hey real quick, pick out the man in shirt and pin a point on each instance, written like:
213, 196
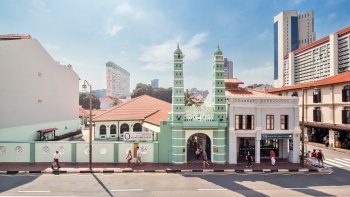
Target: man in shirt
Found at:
138, 154
56, 156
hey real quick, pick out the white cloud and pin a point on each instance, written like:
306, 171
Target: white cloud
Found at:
159, 57
263, 35
111, 28
126, 10
331, 16
51, 47
40, 7
261, 75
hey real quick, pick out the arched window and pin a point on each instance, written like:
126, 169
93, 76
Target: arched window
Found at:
137, 127
124, 128
113, 129
103, 130
346, 93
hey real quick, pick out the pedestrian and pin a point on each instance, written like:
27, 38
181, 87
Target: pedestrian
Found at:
205, 159
320, 158
313, 158
138, 157
56, 156
198, 151
249, 159
272, 155
129, 158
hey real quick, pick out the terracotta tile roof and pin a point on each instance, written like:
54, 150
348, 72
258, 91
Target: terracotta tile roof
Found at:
135, 109
83, 112
157, 116
108, 99
86, 112
319, 42
340, 78
234, 80
248, 92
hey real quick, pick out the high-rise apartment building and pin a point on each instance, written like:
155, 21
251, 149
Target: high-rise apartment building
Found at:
155, 83
118, 81
228, 69
291, 31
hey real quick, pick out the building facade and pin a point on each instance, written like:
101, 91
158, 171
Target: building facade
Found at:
118, 81
260, 122
37, 93
291, 31
155, 83
326, 108
228, 69
320, 59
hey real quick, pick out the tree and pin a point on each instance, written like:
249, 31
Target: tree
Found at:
159, 93
163, 94
84, 101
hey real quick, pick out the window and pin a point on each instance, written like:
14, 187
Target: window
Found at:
137, 127
103, 130
244, 122
317, 96
346, 115
346, 94
317, 114
113, 129
295, 94
269, 122
124, 128
284, 122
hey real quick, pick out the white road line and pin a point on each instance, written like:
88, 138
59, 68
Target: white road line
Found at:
342, 160
339, 162
212, 189
34, 191
328, 166
346, 159
127, 190
298, 188
333, 164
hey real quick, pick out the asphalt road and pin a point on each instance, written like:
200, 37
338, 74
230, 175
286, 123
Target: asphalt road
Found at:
192, 184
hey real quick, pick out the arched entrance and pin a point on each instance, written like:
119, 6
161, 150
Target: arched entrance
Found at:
203, 141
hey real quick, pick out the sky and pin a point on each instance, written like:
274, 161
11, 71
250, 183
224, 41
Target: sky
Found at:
141, 36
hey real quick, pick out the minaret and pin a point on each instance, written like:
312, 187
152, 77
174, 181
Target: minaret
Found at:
178, 96
218, 91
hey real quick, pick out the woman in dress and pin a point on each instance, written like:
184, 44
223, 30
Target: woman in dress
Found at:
129, 158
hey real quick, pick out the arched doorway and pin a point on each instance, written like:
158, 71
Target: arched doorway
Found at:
203, 141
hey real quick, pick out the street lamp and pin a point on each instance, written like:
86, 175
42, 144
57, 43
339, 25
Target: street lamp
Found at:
90, 124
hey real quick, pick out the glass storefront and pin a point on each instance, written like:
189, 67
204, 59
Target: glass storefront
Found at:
267, 145
248, 144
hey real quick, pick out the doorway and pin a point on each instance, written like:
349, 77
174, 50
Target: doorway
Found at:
196, 140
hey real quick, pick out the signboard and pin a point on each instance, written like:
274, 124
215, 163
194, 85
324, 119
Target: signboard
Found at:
141, 136
276, 136
215, 150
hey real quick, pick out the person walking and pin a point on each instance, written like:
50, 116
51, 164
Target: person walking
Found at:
272, 155
138, 155
205, 159
56, 156
320, 158
249, 159
129, 158
198, 151
313, 158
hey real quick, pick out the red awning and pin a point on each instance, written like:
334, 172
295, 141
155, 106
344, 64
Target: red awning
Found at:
48, 130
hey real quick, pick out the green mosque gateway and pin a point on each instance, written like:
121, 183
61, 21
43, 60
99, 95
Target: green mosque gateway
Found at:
188, 127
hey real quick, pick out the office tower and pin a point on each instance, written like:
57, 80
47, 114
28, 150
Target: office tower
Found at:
228, 69
154, 83
291, 31
118, 81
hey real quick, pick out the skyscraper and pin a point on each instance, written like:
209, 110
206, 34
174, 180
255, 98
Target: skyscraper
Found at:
291, 31
154, 83
228, 69
118, 81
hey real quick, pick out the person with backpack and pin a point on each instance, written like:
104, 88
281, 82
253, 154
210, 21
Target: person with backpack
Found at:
313, 158
320, 158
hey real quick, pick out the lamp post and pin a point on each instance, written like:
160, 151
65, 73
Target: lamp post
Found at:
90, 124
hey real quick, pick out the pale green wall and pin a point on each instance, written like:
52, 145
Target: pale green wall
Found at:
10, 154
164, 140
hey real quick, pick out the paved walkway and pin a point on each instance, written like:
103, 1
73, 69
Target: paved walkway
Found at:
282, 165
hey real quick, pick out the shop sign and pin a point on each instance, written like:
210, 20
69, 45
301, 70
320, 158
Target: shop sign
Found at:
276, 136
141, 136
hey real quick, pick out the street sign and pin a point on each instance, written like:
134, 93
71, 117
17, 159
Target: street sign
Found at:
276, 136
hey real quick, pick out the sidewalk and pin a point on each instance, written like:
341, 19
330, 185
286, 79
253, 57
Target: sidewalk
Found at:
282, 165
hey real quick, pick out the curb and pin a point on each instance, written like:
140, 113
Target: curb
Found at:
167, 171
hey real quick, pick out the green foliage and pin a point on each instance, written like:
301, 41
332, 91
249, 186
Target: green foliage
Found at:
159, 93
84, 101
99, 93
67, 135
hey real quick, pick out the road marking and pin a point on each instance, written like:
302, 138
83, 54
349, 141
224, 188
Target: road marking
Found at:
212, 189
347, 159
34, 191
342, 160
127, 190
339, 162
329, 161
298, 188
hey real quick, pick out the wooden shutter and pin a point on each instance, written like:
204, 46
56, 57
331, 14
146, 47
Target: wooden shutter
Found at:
268, 122
237, 122
286, 122
318, 115
252, 127
343, 116
315, 115
343, 93
244, 122
272, 122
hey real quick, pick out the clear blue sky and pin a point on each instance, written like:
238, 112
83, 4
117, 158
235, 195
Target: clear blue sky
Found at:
141, 35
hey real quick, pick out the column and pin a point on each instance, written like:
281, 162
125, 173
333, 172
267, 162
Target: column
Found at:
257, 146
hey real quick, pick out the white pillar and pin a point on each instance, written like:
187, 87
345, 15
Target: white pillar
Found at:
257, 146
233, 147
285, 148
296, 147
331, 138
